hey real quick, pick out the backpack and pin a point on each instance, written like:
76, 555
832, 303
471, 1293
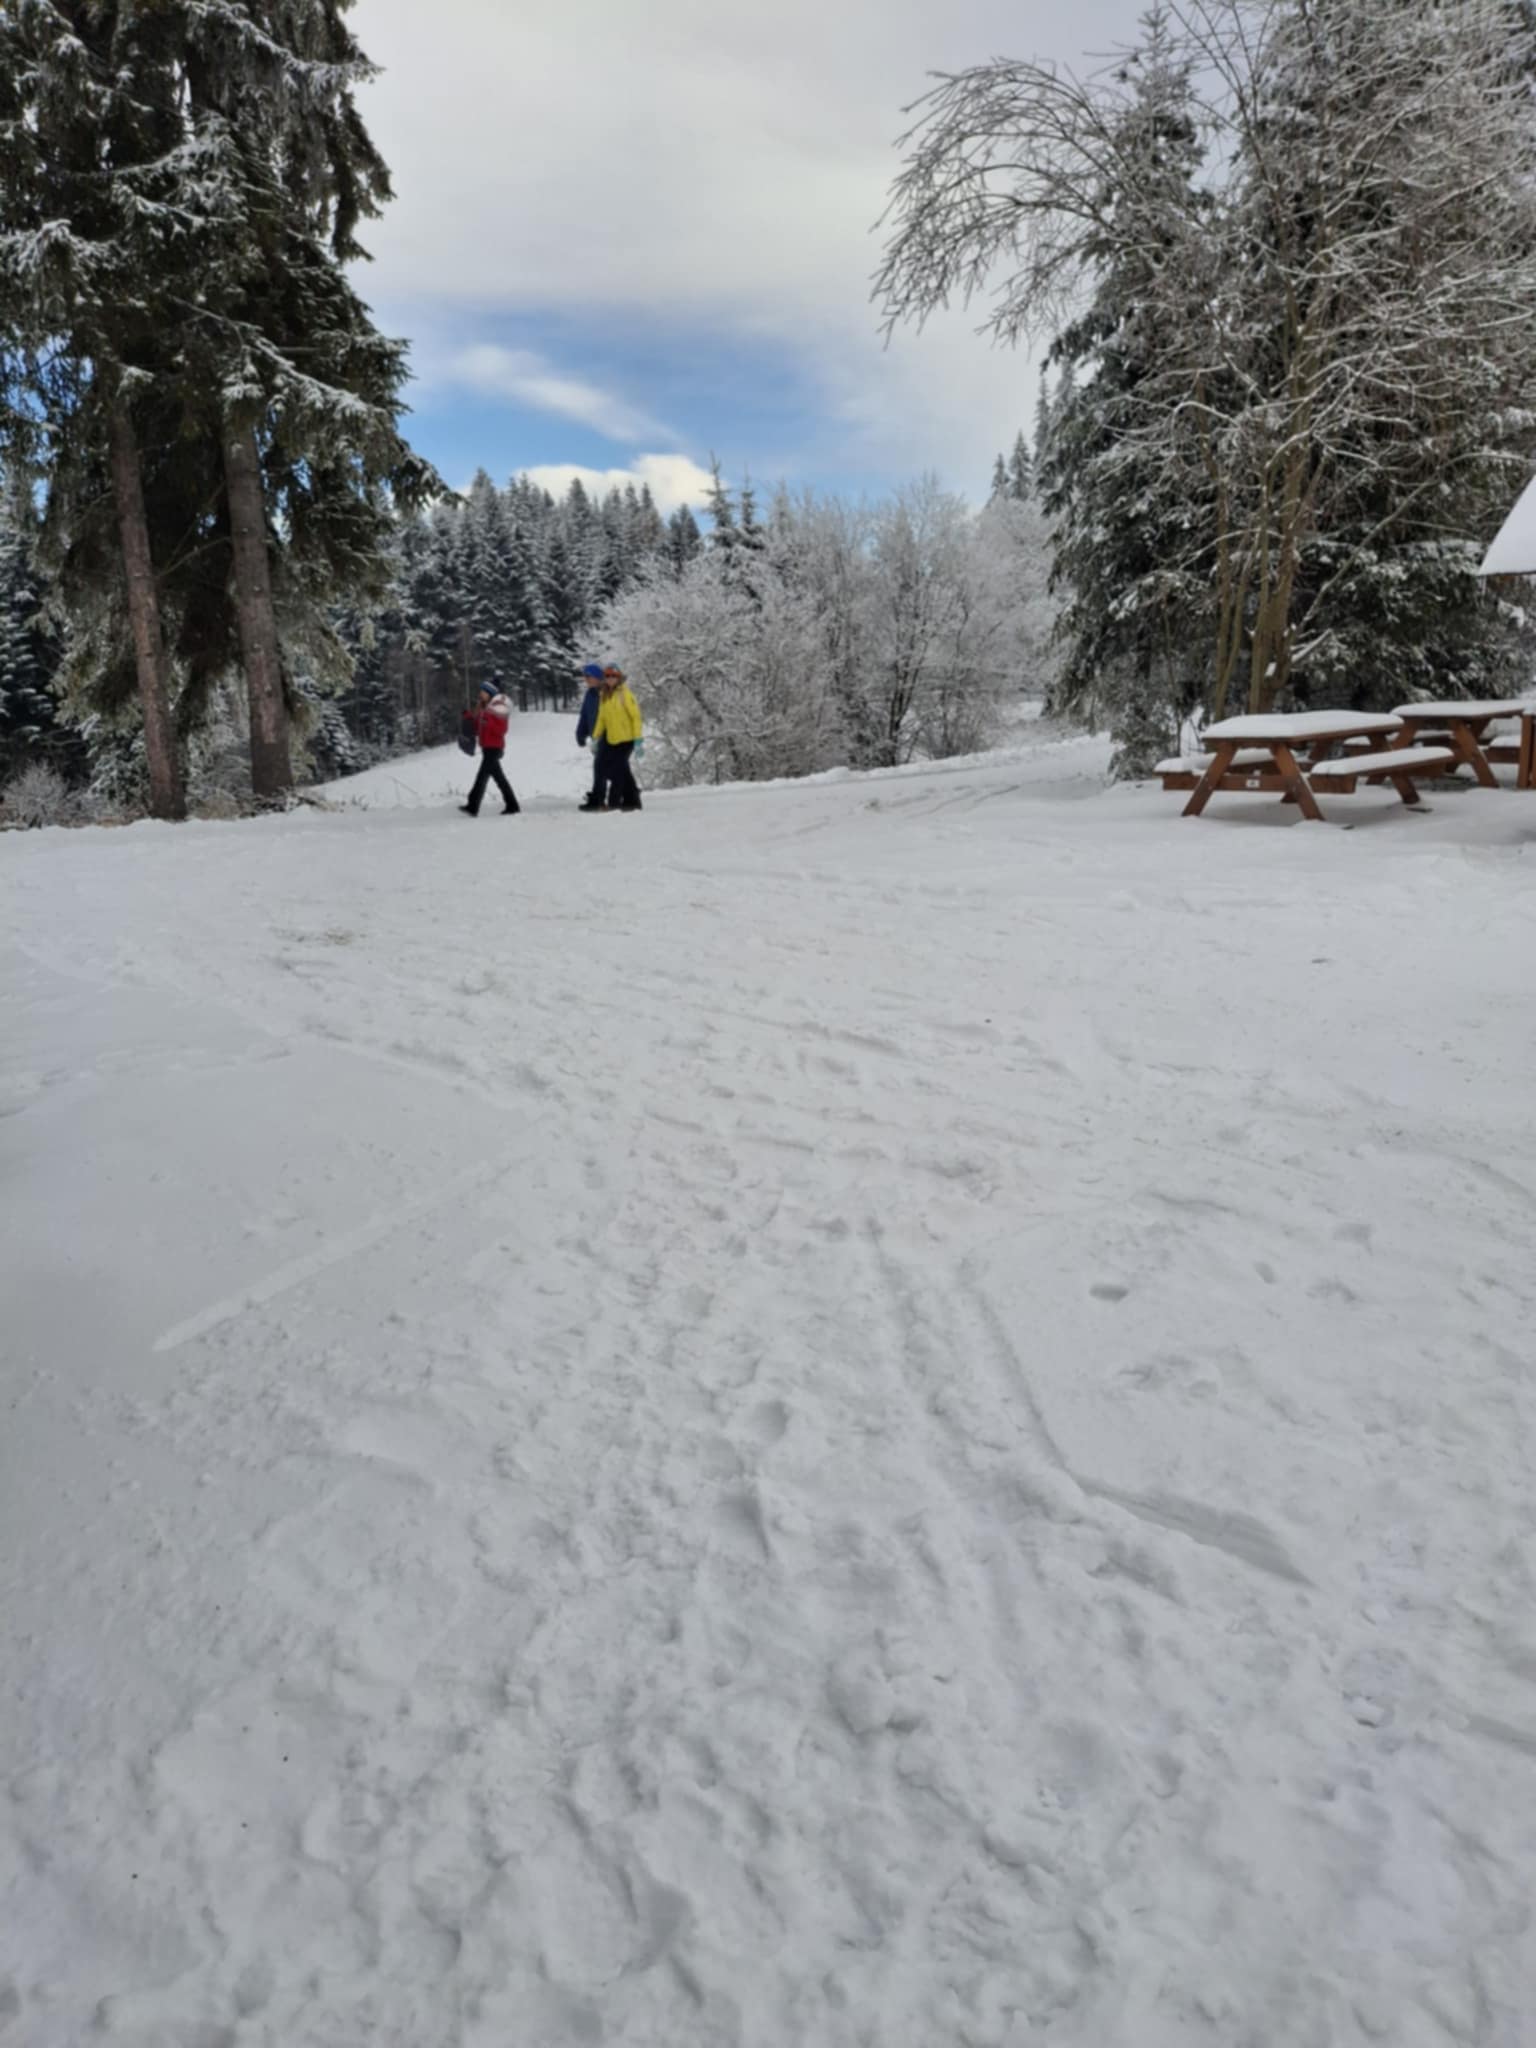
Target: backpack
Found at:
469, 732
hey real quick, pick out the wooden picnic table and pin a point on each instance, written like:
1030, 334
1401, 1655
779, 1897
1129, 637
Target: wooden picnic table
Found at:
1463, 725
1296, 743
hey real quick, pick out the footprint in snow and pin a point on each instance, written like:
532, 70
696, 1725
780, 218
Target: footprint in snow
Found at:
767, 1423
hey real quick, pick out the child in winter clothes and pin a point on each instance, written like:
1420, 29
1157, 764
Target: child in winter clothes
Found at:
619, 726
491, 731
584, 727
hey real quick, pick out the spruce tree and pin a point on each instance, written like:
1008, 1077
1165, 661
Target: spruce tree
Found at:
753, 536
309, 391
1021, 473
684, 541
724, 533
28, 648
106, 223
1131, 620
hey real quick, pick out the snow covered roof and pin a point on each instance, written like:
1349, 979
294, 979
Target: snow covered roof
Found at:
1513, 550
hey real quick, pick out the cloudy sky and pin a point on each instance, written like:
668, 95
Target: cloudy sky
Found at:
631, 232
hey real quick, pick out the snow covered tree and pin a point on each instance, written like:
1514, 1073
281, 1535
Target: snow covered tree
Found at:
1021, 471
106, 218
933, 661
749, 526
310, 392
1301, 388
29, 654
1014, 477
683, 541
182, 183
1382, 207
724, 533
736, 683
1121, 471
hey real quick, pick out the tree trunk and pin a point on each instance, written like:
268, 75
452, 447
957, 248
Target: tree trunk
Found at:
271, 767
167, 796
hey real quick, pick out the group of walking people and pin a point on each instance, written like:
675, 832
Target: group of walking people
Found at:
610, 719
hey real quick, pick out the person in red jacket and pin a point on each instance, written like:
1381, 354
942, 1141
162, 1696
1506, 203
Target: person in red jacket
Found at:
491, 731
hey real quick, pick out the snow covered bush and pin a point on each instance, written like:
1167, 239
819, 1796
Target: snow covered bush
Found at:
119, 784
38, 795
839, 633
219, 758
732, 673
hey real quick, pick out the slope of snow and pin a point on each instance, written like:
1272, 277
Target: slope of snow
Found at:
894, 1412
542, 761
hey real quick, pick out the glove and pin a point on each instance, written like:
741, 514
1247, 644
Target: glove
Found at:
639, 750
581, 743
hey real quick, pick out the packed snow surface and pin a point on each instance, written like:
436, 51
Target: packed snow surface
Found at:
892, 1412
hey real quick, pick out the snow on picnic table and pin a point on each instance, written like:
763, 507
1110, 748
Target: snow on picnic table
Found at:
893, 1412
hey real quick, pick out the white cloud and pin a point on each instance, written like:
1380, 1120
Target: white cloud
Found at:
683, 161
524, 377
674, 479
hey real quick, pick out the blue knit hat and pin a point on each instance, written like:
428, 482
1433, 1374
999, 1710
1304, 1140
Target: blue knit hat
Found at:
593, 672
487, 689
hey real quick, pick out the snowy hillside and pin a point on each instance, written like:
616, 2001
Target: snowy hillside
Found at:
896, 1412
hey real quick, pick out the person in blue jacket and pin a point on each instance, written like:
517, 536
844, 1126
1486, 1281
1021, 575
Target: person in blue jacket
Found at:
597, 796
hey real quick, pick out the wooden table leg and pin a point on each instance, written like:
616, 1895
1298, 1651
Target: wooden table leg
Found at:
1210, 781
1296, 784
1525, 774
1404, 786
1472, 754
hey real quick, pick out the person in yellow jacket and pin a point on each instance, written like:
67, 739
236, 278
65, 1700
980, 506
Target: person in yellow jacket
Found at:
618, 728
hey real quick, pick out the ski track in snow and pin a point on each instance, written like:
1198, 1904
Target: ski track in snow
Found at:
889, 1413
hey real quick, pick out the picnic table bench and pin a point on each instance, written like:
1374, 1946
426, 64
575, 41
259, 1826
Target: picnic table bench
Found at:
1462, 725
1292, 753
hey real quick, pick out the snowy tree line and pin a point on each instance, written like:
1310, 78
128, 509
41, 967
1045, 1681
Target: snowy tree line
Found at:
506, 583
827, 632
836, 633
1283, 256
819, 633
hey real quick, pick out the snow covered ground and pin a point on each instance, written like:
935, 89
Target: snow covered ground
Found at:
896, 1412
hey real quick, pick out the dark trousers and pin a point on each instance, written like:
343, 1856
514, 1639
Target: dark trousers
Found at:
599, 794
622, 788
490, 771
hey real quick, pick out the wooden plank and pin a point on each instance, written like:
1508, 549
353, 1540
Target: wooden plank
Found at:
1211, 780
1297, 784
1461, 738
